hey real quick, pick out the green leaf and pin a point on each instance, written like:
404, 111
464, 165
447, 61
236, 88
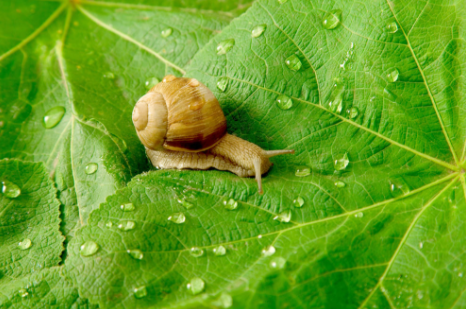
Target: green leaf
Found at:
383, 213
92, 60
30, 239
44, 289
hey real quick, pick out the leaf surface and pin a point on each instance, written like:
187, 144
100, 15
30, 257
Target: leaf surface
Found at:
381, 230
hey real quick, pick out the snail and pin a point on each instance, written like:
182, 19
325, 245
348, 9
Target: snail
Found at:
181, 125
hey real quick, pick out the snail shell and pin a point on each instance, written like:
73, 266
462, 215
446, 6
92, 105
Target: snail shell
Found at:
182, 126
179, 114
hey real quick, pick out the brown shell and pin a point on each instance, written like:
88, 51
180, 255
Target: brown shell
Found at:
195, 120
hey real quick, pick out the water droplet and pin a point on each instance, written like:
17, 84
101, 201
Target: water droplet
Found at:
421, 244
278, 263
230, 204
389, 95
126, 225
393, 76
151, 82
25, 244
167, 32
109, 224
109, 75
340, 184
140, 292
342, 163
196, 286
136, 254
127, 207
259, 236
336, 97
225, 46
10, 190
284, 216
353, 112
258, 30
23, 292
222, 83
284, 102
332, 19
302, 172
359, 215
391, 27
177, 218
185, 203
89, 248
268, 251
53, 116
223, 301
460, 275
196, 252
293, 63
298, 202
220, 250
282, 1
91, 168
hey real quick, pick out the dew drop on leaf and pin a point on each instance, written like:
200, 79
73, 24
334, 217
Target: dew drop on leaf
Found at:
222, 83
167, 32
302, 172
126, 225
393, 75
223, 301
353, 112
89, 248
298, 202
359, 215
389, 95
230, 204
335, 103
25, 244
127, 207
224, 46
109, 224
196, 252
151, 82
91, 168
136, 254
340, 184
196, 286
293, 63
278, 263
332, 19
53, 116
140, 292
268, 251
284, 216
109, 75
177, 218
284, 102
421, 245
391, 27
10, 189
342, 163
220, 250
258, 30
23, 292
185, 203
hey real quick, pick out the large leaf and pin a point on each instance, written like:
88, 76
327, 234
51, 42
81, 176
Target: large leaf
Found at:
383, 230
93, 60
30, 240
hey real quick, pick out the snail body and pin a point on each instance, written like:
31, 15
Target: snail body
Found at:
182, 126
